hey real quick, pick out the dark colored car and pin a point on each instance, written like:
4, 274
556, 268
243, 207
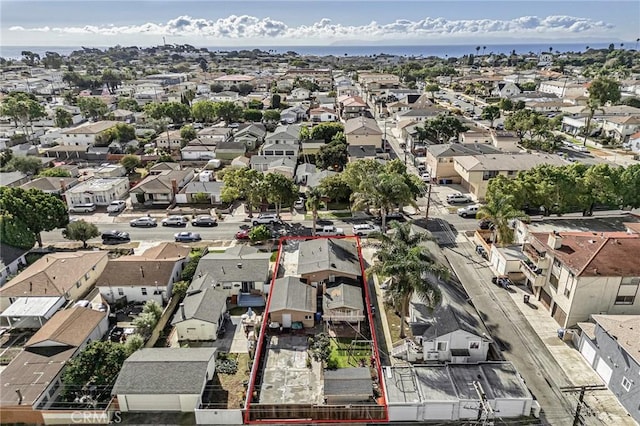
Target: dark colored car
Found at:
503, 281
204, 221
187, 237
115, 237
485, 224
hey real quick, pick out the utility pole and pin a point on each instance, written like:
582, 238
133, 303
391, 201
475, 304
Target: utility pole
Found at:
582, 389
426, 217
485, 413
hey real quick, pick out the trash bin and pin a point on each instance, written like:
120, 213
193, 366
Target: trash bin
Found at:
526, 298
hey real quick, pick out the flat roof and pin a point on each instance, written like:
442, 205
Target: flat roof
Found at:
31, 306
102, 184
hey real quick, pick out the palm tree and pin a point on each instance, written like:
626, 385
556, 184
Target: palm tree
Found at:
483, 49
411, 268
314, 202
500, 212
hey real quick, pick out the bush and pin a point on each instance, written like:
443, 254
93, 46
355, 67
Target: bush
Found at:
227, 366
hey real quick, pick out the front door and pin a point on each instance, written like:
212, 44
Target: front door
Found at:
286, 320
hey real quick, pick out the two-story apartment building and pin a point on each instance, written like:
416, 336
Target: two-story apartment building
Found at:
98, 191
229, 81
363, 131
577, 274
475, 171
86, 134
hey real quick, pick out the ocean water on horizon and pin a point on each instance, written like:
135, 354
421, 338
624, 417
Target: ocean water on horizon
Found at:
15, 52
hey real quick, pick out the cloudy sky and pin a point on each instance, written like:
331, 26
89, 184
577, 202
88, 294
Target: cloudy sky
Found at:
312, 22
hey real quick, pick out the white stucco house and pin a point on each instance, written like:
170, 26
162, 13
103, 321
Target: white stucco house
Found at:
86, 134
98, 191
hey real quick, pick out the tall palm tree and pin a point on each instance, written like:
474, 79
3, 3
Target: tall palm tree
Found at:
500, 212
411, 267
314, 202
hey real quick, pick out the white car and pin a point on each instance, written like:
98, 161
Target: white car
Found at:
458, 197
299, 204
469, 211
116, 206
364, 229
580, 148
265, 219
175, 221
426, 177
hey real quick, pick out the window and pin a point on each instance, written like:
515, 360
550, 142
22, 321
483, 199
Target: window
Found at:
226, 286
144, 291
120, 292
308, 317
488, 174
553, 280
86, 276
474, 344
627, 291
78, 284
441, 346
626, 384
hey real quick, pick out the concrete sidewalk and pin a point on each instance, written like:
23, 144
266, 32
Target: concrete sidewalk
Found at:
604, 404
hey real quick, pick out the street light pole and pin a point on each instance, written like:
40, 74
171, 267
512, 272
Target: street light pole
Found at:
426, 216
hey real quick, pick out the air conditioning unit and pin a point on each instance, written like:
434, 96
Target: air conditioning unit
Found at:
431, 356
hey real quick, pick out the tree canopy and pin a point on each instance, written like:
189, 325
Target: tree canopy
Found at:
80, 231
92, 107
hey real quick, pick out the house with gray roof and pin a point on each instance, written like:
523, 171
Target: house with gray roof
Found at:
160, 188
343, 303
326, 259
450, 332
252, 135
348, 385
201, 314
11, 259
13, 179
230, 149
213, 189
242, 272
439, 159
164, 379
51, 185
284, 134
293, 300
274, 164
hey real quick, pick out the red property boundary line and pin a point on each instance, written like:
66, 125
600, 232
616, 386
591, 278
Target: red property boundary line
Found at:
256, 362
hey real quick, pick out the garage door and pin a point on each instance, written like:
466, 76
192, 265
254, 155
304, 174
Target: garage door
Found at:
286, 320
603, 369
153, 402
588, 352
545, 298
558, 314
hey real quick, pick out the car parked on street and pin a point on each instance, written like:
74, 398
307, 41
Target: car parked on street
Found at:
299, 204
116, 206
266, 219
426, 177
115, 237
83, 208
364, 229
175, 221
205, 221
469, 211
502, 280
458, 197
243, 234
143, 222
187, 237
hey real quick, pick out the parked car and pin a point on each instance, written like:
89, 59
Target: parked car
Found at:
502, 280
458, 197
115, 237
82, 208
143, 222
330, 231
175, 221
266, 219
205, 221
426, 177
116, 206
482, 252
580, 148
364, 229
485, 224
187, 237
243, 234
299, 204
469, 211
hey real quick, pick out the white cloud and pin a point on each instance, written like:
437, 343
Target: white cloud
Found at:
250, 27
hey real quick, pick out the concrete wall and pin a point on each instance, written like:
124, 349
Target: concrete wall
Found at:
219, 417
133, 293
358, 140
196, 330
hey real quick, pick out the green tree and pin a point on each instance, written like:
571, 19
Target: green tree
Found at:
130, 162
271, 115
188, 133
255, 104
98, 364
505, 104
145, 323
152, 307
180, 289
528, 86
22, 108
177, 112
155, 110
112, 79
63, 118
501, 213
129, 104
133, 343
280, 190
192, 265
313, 203
333, 155
412, 269
491, 113
243, 184
124, 132
216, 88
629, 184
320, 347
92, 107
431, 88
254, 115
80, 231
228, 112
326, 131
37, 210
259, 233
25, 164
204, 111
55, 172
15, 233
244, 89
275, 101
527, 123
335, 188
444, 127
601, 91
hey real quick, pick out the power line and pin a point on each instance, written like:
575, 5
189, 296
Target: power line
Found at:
582, 389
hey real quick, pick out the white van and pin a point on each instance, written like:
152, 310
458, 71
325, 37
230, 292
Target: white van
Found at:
82, 208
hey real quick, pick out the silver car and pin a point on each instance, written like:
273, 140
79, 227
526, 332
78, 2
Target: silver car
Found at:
143, 222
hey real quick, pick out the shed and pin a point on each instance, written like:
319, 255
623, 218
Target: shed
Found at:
348, 385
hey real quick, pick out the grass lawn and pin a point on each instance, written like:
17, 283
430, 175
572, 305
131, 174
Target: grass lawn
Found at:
394, 324
340, 352
326, 215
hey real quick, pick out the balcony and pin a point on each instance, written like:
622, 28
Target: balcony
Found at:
533, 273
538, 259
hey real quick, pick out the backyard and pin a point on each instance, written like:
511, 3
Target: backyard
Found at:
393, 319
228, 390
346, 352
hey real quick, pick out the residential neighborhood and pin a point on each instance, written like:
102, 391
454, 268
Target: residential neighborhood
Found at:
193, 236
